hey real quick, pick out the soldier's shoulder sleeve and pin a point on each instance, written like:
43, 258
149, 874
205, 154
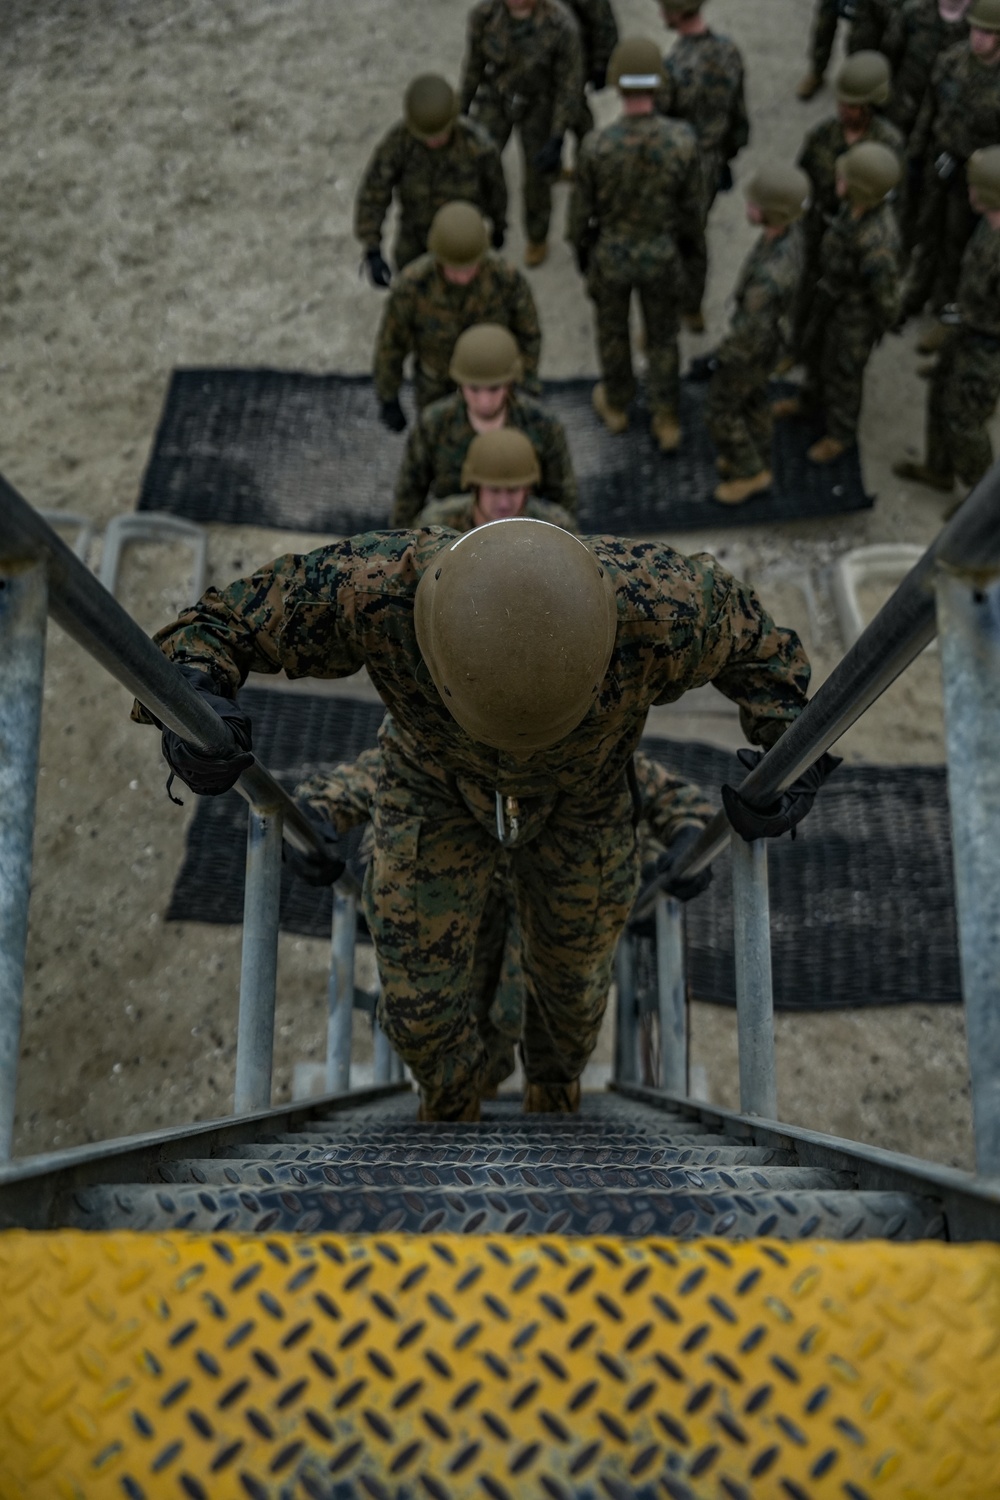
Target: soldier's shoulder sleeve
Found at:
345, 794
454, 512
375, 189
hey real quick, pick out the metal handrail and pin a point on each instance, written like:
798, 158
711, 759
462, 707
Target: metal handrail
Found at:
895, 637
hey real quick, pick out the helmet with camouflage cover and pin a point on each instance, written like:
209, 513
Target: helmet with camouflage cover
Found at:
984, 15
781, 194
505, 459
485, 354
636, 65
864, 79
516, 622
430, 106
457, 235
984, 175
870, 172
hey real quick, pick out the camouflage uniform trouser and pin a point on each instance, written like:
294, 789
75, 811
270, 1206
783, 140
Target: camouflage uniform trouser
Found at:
836, 356
426, 891
411, 241
824, 30
963, 395
944, 225
534, 128
658, 299
738, 415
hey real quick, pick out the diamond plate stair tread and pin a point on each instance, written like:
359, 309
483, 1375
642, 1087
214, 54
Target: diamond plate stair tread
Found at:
487, 1176
461, 1135
793, 1215
180, 1367
573, 1156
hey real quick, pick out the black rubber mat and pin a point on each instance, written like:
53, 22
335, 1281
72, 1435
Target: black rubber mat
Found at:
307, 453
862, 902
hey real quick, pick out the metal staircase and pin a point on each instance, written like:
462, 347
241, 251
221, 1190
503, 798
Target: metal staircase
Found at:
654, 1298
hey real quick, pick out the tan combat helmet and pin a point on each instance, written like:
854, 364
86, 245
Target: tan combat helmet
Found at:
681, 7
983, 173
505, 459
984, 15
430, 106
485, 354
516, 621
636, 66
457, 235
781, 194
870, 171
864, 79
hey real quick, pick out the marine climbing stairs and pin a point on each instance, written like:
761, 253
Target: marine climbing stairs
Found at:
653, 1298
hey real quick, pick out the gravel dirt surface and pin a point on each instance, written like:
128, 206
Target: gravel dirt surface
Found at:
178, 181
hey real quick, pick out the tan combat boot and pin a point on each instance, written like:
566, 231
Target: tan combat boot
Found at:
614, 420
552, 1098
667, 431
469, 1115
535, 254
724, 467
934, 339
826, 450
735, 491
921, 474
809, 85
694, 322
787, 406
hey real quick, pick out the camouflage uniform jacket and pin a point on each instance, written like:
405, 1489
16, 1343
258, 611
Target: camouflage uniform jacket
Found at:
703, 84
522, 60
438, 443
765, 292
961, 108
979, 284
638, 183
871, 25
818, 159
682, 622
916, 38
860, 265
467, 167
424, 315
457, 513
598, 33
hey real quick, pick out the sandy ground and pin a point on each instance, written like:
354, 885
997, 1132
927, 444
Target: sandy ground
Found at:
177, 184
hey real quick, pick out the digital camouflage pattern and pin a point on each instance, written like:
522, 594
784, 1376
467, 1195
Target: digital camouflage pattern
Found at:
682, 622
960, 113
424, 315
598, 38
965, 385
818, 159
637, 199
857, 300
916, 38
424, 180
703, 84
872, 25
437, 445
457, 512
738, 411
529, 75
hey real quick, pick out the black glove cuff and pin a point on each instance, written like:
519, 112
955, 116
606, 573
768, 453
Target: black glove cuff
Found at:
314, 868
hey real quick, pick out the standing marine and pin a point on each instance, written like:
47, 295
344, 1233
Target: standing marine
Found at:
965, 383
523, 70
598, 39
457, 283
636, 225
920, 32
485, 366
429, 158
738, 410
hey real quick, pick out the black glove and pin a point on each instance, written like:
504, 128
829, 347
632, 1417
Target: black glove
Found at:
684, 886
726, 179
498, 236
703, 367
549, 159
598, 79
206, 774
391, 415
791, 807
315, 869
378, 269
582, 252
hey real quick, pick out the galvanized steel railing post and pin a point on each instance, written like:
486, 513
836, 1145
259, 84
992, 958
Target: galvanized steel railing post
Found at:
969, 625
259, 972
672, 994
23, 614
340, 994
754, 998
626, 1021
381, 1046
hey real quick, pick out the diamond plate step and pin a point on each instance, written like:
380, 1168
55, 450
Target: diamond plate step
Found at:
795, 1215
448, 1138
573, 1156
